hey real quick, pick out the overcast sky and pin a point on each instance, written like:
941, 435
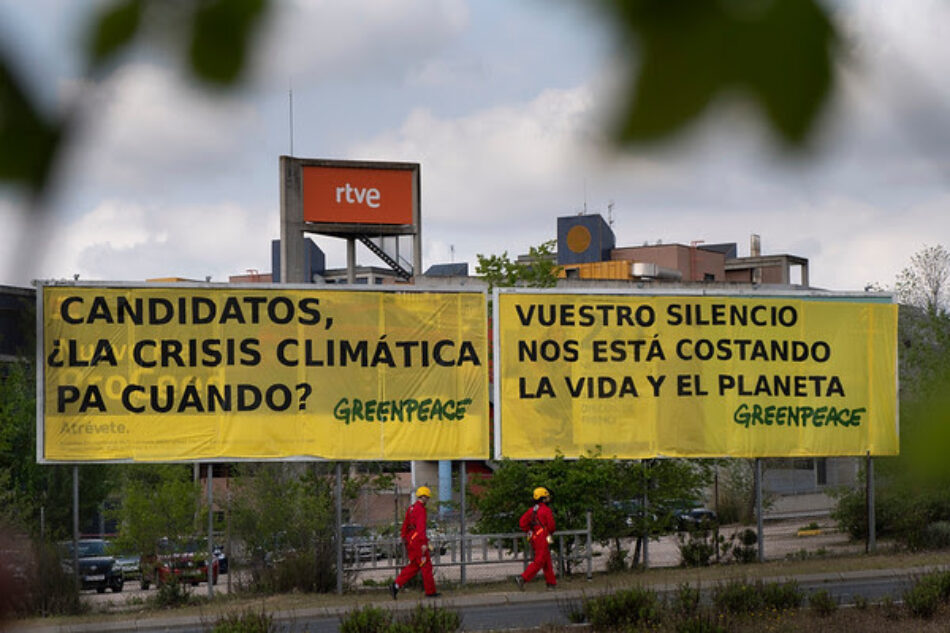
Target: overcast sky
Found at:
501, 103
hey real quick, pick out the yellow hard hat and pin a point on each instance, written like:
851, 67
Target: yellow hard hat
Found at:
540, 493
423, 491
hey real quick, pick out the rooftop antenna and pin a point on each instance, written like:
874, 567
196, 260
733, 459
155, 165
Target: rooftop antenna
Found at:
452, 251
610, 214
290, 96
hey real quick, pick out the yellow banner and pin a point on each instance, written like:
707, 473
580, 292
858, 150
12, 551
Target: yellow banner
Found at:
197, 373
639, 376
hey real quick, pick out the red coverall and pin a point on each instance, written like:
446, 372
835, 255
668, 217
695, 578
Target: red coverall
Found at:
417, 546
538, 522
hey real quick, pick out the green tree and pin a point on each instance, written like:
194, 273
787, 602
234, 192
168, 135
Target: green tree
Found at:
610, 489
32, 486
539, 271
912, 489
924, 284
285, 516
156, 501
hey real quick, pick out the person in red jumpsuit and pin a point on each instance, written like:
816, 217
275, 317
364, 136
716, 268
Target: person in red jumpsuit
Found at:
417, 546
538, 522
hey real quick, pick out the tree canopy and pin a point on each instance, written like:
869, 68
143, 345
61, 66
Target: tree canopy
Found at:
539, 271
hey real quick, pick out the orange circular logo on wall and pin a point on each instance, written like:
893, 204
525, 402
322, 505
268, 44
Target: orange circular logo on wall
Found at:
578, 239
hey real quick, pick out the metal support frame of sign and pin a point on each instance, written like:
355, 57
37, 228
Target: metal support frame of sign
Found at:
348, 199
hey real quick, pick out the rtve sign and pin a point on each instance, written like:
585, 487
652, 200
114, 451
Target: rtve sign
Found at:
350, 193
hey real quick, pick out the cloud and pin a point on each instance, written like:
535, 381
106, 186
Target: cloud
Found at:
122, 240
13, 230
310, 40
476, 167
147, 127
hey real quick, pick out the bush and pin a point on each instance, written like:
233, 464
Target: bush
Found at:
822, 603
617, 561
686, 601
247, 622
736, 503
627, 608
935, 535
572, 610
429, 619
310, 570
942, 580
172, 593
916, 517
43, 587
696, 548
368, 619
284, 515
746, 550
924, 598
422, 619
738, 597
782, 596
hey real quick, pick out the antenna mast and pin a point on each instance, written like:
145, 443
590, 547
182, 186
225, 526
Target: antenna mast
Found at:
290, 96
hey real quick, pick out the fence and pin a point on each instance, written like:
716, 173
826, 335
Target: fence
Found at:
574, 548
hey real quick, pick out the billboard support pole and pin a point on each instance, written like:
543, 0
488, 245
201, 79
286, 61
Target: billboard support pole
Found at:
646, 510
462, 541
351, 260
339, 528
872, 528
210, 533
760, 532
76, 525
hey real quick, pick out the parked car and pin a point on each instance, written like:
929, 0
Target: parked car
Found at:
97, 567
696, 518
358, 543
218, 551
186, 562
129, 564
633, 511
